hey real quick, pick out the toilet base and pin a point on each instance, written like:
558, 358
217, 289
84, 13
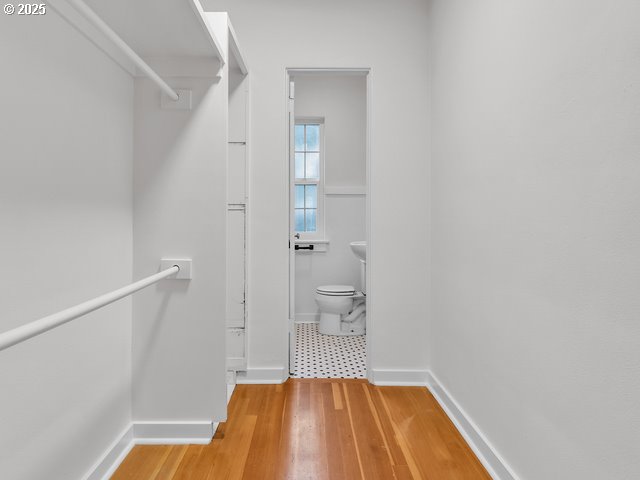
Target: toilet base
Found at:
332, 324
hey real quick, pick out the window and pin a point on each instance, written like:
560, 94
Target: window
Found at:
308, 178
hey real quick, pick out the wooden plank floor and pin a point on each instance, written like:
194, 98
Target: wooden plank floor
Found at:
317, 429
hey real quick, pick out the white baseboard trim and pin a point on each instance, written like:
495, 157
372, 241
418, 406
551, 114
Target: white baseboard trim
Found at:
488, 456
175, 433
113, 457
262, 376
385, 377
236, 363
307, 318
230, 389
150, 433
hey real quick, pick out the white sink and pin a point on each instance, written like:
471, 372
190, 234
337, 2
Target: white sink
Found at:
359, 249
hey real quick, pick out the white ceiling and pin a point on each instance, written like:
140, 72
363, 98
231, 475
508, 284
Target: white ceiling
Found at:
156, 28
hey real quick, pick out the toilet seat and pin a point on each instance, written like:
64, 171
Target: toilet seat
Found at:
342, 310
336, 290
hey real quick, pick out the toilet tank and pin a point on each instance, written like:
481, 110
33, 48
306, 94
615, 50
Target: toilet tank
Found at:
363, 275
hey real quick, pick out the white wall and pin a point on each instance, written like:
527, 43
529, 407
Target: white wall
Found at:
390, 39
66, 125
179, 212
342, 102
536, 232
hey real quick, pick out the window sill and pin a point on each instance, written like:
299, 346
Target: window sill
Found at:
318, 245
321, 241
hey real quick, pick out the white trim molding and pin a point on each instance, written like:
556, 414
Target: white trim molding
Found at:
236, 363
175, 433
391, 377
113, 456
486, 453
150, 433
301, 71
260, 376
345, 190
230, 389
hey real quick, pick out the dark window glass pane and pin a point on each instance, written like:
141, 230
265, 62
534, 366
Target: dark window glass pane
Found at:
313, 138
299, 220
310, 222
310, 196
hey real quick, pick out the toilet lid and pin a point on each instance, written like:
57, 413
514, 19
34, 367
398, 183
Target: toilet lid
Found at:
336, 290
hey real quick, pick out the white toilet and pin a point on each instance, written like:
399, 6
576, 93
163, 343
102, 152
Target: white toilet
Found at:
342, 309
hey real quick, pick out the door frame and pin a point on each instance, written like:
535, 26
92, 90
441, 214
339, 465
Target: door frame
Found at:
368, 73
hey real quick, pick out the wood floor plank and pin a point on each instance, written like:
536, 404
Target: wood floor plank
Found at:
262, 459
337, 396
231, 457
168, 469
402, 472
192, 466
374, 458
348, 449
396, 452
142, 462
400, 440
428, 437
332, 445
321, 457
154, 473
308, 457
352, 425
376, 418
317, 429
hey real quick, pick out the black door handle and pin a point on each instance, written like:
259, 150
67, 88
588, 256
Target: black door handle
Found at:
298, 247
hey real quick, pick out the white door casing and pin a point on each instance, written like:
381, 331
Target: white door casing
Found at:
292, 252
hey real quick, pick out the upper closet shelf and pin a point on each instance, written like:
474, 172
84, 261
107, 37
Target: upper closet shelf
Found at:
167, 30
202, 17
223, 30
234, 49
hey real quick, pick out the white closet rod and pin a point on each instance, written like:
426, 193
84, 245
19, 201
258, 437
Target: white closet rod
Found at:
97, 22
20, 334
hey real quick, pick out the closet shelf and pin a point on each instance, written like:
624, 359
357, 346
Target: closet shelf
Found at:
153, 40
223, 28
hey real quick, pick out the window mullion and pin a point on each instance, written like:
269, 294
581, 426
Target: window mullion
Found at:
305, 156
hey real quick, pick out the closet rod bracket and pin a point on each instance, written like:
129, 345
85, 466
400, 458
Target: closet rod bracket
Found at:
184, 101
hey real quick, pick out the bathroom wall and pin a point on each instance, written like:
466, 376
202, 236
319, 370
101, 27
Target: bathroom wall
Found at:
342, 102
390, 38
66, 130
536, 230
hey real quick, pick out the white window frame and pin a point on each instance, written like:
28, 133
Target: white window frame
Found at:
319, 233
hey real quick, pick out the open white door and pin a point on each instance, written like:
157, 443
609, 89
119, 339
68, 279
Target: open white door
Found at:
292, 251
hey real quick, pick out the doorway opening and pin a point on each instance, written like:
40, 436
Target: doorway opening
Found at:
328, 134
